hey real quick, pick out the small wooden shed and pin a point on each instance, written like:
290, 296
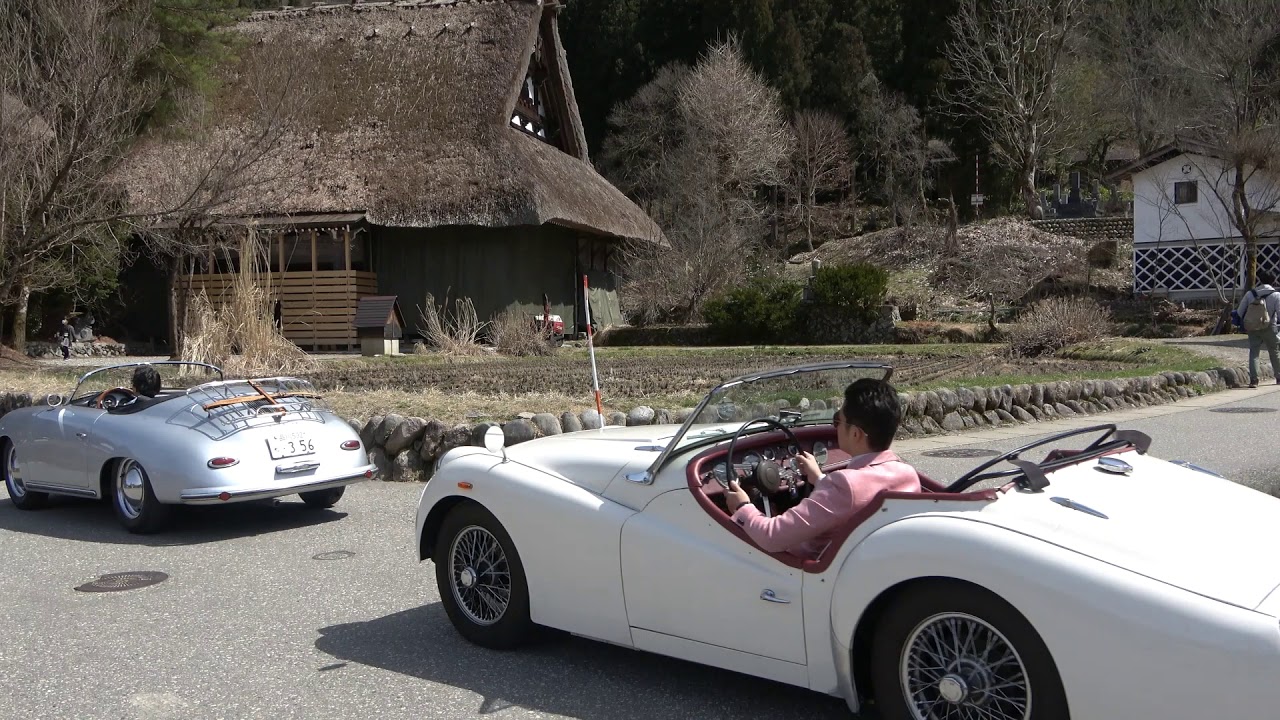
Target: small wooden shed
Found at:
379, 325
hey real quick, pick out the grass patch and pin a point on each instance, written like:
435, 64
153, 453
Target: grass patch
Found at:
1140, 353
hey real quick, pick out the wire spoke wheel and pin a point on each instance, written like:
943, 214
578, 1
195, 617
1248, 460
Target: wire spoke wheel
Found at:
955, 666
479, 575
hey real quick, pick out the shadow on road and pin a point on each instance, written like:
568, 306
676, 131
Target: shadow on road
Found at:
95, 521
567, 676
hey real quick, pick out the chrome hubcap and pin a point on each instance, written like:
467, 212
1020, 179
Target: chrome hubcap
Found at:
481, 578
130, 488
957, 666
13, 475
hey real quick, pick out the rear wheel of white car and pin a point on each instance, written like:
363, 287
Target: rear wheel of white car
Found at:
22, 498
481, 581
951, 650
322, 499
133, 499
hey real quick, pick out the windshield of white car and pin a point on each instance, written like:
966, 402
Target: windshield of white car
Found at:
799, 398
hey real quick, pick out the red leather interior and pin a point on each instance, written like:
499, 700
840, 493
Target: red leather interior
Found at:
933, 491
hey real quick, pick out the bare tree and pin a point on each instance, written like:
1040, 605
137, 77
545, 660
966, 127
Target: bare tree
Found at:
694, 147
1006, 63
820, 163
897, 147
1227, 73
1134, 83
70, 102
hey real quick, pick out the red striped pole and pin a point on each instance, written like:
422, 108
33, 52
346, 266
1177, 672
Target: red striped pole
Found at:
595, 377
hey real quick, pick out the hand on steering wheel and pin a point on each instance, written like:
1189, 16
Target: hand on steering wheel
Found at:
102, 401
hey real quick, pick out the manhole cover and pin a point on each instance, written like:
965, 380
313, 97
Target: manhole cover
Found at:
116, 582
960, 453
335, 555
1243, 410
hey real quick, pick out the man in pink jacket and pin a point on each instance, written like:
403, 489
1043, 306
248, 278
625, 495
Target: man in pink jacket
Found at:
865, 427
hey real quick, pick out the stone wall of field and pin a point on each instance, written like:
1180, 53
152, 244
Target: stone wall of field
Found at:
405, 449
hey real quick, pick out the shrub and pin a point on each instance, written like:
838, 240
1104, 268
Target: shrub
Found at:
1053, 324
856, 291
513, 333
456, 333
764, 310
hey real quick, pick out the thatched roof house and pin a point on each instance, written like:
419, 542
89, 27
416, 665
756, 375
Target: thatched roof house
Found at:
438, 142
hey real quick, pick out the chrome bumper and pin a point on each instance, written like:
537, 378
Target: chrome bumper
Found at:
216, 496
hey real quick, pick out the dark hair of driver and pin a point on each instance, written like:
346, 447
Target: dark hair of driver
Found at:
872, 405
146, 381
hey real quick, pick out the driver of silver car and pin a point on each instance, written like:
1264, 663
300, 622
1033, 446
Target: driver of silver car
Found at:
865, 427
146, 381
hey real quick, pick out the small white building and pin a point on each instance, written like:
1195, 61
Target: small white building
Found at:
1185, 245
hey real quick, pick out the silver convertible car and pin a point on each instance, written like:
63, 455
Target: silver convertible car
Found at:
158, 443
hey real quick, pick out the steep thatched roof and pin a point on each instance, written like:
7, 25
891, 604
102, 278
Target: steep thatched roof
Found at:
407, 118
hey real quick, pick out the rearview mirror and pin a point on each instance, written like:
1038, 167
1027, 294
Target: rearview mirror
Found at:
53, 400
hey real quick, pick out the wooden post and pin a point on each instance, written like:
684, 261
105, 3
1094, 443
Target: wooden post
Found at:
350, 283
314, 339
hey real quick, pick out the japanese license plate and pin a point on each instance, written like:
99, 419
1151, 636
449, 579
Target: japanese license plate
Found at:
286, 445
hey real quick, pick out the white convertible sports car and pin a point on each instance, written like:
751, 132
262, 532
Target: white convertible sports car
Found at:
216, 442
1098, 582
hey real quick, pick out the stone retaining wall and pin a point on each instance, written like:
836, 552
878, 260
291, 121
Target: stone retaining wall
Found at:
78, 349
405, 448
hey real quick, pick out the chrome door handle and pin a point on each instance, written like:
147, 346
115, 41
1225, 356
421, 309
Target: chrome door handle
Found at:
771, 596
82, 435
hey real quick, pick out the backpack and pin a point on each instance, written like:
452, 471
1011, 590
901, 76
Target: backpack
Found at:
1256, 317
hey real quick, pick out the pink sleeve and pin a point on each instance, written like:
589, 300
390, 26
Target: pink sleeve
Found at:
824, 509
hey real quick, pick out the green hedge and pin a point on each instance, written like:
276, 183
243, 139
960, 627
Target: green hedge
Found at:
770, 310
763, 311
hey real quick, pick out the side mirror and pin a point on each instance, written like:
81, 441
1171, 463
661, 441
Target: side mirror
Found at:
495, 441
53, 400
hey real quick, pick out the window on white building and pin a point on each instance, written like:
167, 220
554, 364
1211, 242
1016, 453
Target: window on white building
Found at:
1185, 193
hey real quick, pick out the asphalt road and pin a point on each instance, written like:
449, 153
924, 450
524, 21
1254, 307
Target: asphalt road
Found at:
251, 625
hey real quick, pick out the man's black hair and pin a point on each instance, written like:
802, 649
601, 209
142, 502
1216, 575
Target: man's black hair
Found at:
1265, 278
146, 381
873, 406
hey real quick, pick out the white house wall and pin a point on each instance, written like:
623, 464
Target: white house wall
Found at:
1156, 219
1193, 251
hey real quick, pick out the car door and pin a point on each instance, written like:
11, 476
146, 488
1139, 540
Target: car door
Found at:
57, 448
686, 576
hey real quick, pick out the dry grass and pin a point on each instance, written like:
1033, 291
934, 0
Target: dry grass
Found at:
514, 334
470, 407
38, 383
1056, 323
241, 336
455, 333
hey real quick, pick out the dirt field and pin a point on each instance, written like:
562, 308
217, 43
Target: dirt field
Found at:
493, 387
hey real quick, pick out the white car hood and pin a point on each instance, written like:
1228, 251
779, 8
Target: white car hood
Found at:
1191, 530
593, 458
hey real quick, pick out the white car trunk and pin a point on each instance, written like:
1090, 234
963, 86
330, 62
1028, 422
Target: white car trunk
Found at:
1194, 531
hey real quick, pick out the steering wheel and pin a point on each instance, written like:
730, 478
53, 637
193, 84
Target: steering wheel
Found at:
115, 398
1034, 473
767, 474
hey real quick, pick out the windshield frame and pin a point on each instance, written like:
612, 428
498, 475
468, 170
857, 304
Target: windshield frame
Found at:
669, 452
106, 368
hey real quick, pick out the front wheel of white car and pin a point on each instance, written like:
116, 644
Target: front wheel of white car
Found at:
22, 498
481, 581
952, 650
134, 501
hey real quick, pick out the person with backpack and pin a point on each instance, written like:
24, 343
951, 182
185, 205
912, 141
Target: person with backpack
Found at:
1260, 317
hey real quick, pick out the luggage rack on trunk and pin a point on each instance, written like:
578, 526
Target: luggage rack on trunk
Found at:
233, 405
